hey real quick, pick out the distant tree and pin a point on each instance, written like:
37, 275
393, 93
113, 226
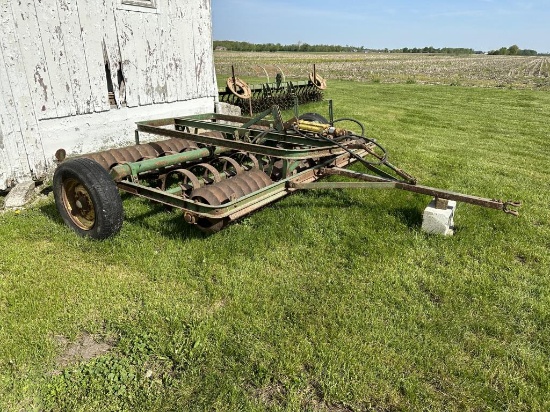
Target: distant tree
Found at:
513, 50
527, 52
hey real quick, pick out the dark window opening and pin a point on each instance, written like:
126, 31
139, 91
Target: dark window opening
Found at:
110, 88
121, 85
121, 82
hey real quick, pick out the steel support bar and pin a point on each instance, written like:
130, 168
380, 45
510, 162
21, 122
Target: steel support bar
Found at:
430, 191
261, 197
245, 133
216, 117
307, 153
342, 185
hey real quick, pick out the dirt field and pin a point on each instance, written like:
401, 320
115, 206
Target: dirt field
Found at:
516, 72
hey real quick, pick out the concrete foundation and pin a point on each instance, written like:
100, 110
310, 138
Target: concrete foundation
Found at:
439, 221
229, 109
19, 195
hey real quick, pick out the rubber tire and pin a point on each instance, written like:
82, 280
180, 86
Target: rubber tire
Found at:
103, 193
313, 117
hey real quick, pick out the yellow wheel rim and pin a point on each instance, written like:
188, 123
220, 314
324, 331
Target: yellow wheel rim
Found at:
78, 203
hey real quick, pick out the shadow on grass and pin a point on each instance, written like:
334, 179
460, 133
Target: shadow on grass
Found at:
172, 227
410, 216
163, 219
335, 198
50, 211
167, 222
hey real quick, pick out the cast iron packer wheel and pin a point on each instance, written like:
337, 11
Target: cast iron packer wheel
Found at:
211, 226
313, 117
87, 198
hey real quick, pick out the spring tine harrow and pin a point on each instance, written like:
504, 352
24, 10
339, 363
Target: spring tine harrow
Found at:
260, 97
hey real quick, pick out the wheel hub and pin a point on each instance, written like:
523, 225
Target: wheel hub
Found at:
78, 202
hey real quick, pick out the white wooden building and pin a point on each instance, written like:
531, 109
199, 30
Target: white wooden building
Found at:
78, 74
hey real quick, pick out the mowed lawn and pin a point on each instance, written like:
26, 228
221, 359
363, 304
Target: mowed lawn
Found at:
324, 301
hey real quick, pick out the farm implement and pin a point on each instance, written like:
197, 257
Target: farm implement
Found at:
255, 98
218, 168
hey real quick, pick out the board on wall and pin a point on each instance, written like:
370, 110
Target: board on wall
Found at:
161, 55
61, 58
18, 111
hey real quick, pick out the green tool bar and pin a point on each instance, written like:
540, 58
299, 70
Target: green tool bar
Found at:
313, 152
216, 117
133, 169
244, 132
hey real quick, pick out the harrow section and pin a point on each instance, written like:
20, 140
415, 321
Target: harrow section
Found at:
218, 168
256, 98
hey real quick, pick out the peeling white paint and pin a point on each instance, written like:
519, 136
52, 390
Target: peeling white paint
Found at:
93, 132
26, 135
53, 83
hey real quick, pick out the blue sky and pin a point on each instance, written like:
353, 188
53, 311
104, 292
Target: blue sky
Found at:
478, 24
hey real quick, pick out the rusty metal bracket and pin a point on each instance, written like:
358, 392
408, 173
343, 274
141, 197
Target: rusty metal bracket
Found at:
511, 203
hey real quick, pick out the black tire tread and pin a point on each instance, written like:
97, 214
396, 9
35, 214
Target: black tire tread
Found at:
103, 192
313, 117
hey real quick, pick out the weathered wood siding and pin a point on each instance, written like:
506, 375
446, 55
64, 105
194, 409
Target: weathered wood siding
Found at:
52, 67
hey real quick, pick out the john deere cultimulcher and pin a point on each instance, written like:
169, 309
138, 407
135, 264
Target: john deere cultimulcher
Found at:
218, 168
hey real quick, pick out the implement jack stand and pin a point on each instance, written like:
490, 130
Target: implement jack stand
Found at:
439, 220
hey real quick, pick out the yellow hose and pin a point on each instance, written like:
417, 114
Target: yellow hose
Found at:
320, 128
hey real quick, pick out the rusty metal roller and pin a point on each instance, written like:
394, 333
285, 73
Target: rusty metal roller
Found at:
233, 188
113, 157
221, 195
127, 154
174, 145
105, 159
243, 185
110, 158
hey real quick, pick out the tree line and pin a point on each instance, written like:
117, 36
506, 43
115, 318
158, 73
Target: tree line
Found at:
430, 49
274, 47
327, 48
513, 51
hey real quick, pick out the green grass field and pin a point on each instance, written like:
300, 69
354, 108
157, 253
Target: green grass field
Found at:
325, 301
